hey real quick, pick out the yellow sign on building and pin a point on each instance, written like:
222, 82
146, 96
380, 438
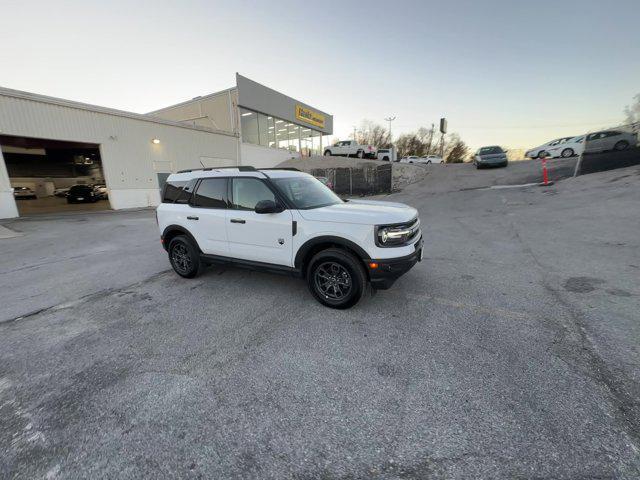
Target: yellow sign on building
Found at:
309, 116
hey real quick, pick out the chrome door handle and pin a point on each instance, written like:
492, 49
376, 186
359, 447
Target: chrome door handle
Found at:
193, 218
237, 220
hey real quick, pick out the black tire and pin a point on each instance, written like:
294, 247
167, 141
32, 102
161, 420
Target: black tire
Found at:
184, 257
327, 153
542, 154
428, 162
336, 278
360, 154
385, 159
621, 145
567, 152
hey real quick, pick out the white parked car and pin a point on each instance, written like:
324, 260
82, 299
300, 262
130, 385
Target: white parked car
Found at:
287, 221
423, 160
387, 154
20, 193
567, 148
432, 159
610, 140
350, 148
410, 159
543, 150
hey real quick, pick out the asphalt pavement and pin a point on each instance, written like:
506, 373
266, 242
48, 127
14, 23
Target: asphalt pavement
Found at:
511, 351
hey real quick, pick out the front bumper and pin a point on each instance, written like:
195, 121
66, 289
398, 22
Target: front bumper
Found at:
493, 163
388, 270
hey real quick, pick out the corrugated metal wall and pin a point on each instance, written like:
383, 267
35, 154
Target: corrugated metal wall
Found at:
130, 160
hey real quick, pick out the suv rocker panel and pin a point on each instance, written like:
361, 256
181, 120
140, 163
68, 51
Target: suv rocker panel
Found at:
253, 265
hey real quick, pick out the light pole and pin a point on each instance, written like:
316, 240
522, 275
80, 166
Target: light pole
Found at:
390, 119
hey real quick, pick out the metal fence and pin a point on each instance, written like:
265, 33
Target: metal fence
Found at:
365, 180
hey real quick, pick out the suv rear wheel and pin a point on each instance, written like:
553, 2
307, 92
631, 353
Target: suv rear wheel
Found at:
184, 257
336, 278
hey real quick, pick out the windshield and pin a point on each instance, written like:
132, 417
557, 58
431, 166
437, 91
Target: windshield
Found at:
490, 150
306, 192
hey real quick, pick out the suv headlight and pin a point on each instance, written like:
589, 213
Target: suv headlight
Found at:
394, 235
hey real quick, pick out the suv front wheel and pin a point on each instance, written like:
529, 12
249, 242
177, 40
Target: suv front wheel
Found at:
336, 278
184, 257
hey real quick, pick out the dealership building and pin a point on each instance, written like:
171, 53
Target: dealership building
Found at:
48, 144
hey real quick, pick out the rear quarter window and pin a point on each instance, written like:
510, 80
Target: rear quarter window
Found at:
178, 191
172, 191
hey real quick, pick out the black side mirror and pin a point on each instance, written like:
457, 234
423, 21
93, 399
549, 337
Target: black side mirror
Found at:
267, 206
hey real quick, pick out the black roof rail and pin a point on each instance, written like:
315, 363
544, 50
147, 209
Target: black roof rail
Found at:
291, 169
241, 168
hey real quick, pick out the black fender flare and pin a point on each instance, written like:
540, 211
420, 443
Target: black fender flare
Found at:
181, 229
306, 247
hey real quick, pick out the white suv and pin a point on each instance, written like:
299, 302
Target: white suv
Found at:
287, 221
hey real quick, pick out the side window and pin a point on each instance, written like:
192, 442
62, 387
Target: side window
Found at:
172, 191
211, 193
247, 192
185, 194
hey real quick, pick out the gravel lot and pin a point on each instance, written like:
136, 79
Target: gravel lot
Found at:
511, 351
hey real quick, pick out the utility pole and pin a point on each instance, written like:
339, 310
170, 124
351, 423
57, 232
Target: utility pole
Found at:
390, 119
433, 131
354, 132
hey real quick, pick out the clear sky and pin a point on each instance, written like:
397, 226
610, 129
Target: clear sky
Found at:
508, 72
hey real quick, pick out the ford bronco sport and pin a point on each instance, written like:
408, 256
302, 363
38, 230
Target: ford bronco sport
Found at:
287, 221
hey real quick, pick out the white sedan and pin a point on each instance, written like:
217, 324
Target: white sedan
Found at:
610, 140
422, 160
431, 159
410, 159
568, 148
543, 150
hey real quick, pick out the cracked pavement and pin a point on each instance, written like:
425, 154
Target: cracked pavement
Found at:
511, 351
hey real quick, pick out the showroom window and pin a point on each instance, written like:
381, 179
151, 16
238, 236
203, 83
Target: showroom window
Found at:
316, 143
282, 135
266, 130
249, 126
294, 137
306, 143
273, 132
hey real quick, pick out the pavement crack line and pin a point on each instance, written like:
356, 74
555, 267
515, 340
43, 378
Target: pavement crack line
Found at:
82, 299
626, 407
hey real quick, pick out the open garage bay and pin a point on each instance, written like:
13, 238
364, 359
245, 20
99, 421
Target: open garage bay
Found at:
42, 173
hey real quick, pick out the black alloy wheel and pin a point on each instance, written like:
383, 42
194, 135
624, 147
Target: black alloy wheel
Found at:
184, 257
333, 281
336, 278
181, 259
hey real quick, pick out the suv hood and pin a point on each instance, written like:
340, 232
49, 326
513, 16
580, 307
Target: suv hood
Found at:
364, 212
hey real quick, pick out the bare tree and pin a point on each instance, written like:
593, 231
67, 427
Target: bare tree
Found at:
371, 133
456, 150
632, 112
421, 143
